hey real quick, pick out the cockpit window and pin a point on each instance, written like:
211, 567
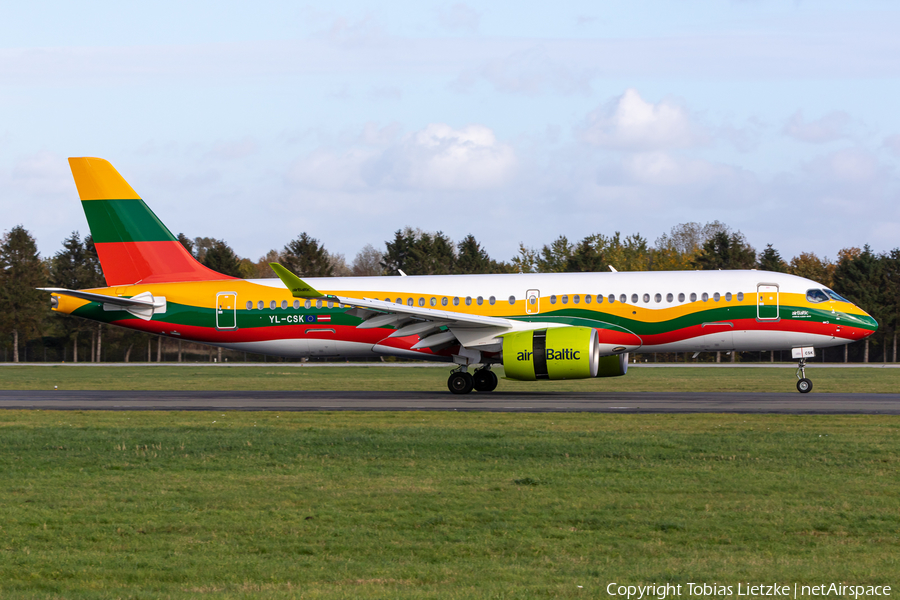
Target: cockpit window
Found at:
816, 296
835, 296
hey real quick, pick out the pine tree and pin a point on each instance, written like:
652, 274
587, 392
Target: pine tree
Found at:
724, 251
304, 257
472, 258
770, 260
221, 258
21, 271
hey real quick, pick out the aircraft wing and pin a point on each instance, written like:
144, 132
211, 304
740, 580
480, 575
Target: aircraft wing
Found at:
435, 328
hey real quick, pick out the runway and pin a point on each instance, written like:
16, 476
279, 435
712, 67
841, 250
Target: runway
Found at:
610, 402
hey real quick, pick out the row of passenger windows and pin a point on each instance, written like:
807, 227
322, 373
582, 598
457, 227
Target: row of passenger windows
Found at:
284, 304
479, 300
657, 298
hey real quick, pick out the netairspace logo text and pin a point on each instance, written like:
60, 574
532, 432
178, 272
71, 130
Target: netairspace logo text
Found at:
778, 590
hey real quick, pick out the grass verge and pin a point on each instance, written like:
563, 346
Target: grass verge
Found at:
439, 505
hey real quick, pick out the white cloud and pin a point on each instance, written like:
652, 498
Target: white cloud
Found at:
459, 16
234, 149
850, 166
632, 123
529, 71
43, 174
893, 143
436, 158
663, 169
829, 128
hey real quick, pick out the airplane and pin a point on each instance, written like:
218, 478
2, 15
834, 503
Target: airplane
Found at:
538, 326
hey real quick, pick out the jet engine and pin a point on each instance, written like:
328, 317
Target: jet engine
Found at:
558, 353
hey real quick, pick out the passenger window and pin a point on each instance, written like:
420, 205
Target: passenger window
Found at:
553, 299
433, 302
249, 304
330, 304
576, 299
491, 300
444, 301
512, 300
468, 300
816, 296
456, 301
681, 297
296, 304
623, 298
693, 296
634, 298
409, 301
260, 305
669, 297
284, 305
272, 305
658, 298
646, 298
421, 301
705, 296
479, 300
318, 304
599, 299
612, 298
716, 296
307, 304
740, 296
587, 299
565, 299
727, 296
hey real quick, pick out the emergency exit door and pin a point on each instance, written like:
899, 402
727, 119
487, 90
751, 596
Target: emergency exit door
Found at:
766, 302
532, 302
226, 310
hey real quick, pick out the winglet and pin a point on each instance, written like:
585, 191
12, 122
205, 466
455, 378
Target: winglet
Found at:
298, 287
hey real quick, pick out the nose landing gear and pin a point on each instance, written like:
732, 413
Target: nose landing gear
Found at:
804, 385
462, 382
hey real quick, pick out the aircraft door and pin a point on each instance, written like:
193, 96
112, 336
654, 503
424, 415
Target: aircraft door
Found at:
532, 302
226, 310
767, 302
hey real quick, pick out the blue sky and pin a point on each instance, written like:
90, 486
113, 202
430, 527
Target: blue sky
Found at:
254, 122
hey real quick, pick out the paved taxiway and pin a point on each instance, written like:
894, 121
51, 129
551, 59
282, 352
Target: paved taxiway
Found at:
612, 402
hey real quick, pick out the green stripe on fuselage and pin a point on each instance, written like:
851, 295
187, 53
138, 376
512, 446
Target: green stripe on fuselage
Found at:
113, 221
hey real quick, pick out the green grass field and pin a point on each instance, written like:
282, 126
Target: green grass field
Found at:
422, 379
439, 505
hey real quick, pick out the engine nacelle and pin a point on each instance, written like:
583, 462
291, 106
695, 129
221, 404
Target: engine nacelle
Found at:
556, 353
613, 366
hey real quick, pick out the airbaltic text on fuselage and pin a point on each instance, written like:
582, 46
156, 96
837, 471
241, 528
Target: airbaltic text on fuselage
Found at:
565, 354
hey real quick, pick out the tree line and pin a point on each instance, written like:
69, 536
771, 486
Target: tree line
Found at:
30, 331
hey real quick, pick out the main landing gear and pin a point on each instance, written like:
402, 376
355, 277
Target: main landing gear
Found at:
463, 382
804, 385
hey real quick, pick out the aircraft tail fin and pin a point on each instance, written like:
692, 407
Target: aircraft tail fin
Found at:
133, 245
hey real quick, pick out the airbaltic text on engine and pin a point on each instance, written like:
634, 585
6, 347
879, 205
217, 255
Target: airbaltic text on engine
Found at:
567, 354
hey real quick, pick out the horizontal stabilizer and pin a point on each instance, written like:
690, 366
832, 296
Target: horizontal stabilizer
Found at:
143, 306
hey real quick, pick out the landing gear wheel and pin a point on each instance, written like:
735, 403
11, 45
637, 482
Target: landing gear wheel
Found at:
485, 380
804, 385
460, 383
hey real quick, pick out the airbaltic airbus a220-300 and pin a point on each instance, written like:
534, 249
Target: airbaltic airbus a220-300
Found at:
538, 326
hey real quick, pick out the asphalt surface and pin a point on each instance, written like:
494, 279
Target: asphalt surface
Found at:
611, 402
